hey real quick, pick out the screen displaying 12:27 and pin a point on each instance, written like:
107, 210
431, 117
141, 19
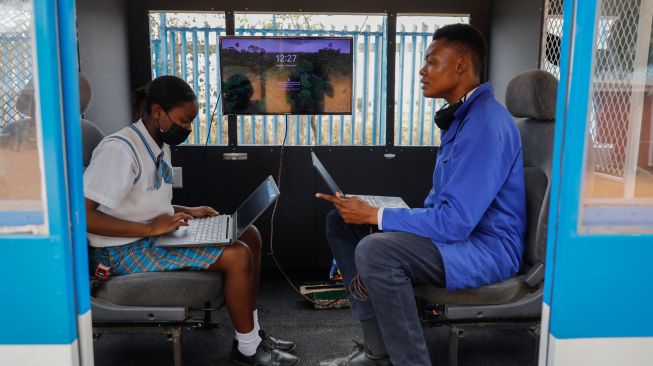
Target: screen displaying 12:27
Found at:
286, 75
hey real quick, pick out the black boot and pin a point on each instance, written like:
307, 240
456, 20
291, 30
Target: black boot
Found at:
276, 343
359, 356
264, 356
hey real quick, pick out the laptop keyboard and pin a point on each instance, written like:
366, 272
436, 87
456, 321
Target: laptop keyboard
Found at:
372, 200
208, 229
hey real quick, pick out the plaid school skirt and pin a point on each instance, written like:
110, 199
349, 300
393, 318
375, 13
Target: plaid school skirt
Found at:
143, 256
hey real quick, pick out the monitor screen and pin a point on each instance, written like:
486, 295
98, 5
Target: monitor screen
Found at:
286, 75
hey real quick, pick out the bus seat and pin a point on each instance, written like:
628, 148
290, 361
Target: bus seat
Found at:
531, 99
154, 297
156, 302
91, 134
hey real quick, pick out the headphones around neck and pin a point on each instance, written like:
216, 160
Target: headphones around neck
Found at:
444, 117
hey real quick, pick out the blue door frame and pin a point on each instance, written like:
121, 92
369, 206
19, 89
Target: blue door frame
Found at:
47, 290
597, 287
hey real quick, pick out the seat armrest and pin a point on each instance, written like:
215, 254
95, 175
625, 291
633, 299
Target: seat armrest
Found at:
535, 275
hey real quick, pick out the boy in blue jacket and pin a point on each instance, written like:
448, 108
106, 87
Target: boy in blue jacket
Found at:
471, 230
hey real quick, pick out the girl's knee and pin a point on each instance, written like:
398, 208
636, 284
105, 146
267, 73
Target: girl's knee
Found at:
237, 257
252, 237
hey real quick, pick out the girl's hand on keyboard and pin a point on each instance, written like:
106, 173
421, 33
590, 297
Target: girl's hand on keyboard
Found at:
202, 211
168, 223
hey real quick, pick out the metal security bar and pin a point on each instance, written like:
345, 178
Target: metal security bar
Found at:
622, 79
366, 125
192, 54
620, 87
414, 114
15, 63
551, 36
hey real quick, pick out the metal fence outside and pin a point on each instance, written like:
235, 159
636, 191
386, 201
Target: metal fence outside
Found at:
192, 54
620, 91
551, 37
414, 115
15, 62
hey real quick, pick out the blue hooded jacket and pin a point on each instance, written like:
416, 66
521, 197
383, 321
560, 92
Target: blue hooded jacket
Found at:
475, 213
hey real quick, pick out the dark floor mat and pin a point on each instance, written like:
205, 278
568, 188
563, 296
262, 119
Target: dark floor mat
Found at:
319, 334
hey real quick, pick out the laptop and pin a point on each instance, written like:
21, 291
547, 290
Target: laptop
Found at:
374, 201
223, 229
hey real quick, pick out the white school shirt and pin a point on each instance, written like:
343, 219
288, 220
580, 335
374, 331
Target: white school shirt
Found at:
121, 177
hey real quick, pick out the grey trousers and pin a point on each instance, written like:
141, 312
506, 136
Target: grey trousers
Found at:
389, 265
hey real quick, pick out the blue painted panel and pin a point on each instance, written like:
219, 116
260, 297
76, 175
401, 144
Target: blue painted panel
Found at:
36, 307
74, 157
196, 123
207, 81
352, 130
218, 85
602, 287
366, 46
182, 54
399, 80
377, 89
38, 270
173, 54
412, 89
164, 44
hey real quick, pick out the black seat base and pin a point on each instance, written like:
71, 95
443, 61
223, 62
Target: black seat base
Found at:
162, 289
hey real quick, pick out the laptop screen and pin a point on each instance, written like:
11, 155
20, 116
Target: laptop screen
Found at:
325, 175
256, 204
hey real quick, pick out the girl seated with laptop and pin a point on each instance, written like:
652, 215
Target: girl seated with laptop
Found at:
128, 191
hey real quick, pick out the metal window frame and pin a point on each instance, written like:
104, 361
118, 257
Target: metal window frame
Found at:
479, 16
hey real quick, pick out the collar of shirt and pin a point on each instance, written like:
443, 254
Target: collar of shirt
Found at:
156, 150
470, 97
460, 114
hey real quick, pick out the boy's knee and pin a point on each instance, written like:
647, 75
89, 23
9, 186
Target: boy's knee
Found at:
373, 251
367, 252
334, 220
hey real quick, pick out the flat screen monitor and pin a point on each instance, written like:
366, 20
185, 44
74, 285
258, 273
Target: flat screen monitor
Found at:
286, 75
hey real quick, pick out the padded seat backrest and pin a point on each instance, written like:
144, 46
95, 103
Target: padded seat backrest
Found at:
91, 137
91, 134
531, 98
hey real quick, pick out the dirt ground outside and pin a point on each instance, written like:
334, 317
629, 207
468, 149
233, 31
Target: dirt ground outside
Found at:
20, 179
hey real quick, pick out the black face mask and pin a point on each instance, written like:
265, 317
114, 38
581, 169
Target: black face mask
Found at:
444, 117
175, 135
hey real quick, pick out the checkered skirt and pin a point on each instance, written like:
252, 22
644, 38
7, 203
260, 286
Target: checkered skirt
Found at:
143, 256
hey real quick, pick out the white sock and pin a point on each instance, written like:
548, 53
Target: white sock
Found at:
248, 342
256, 326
